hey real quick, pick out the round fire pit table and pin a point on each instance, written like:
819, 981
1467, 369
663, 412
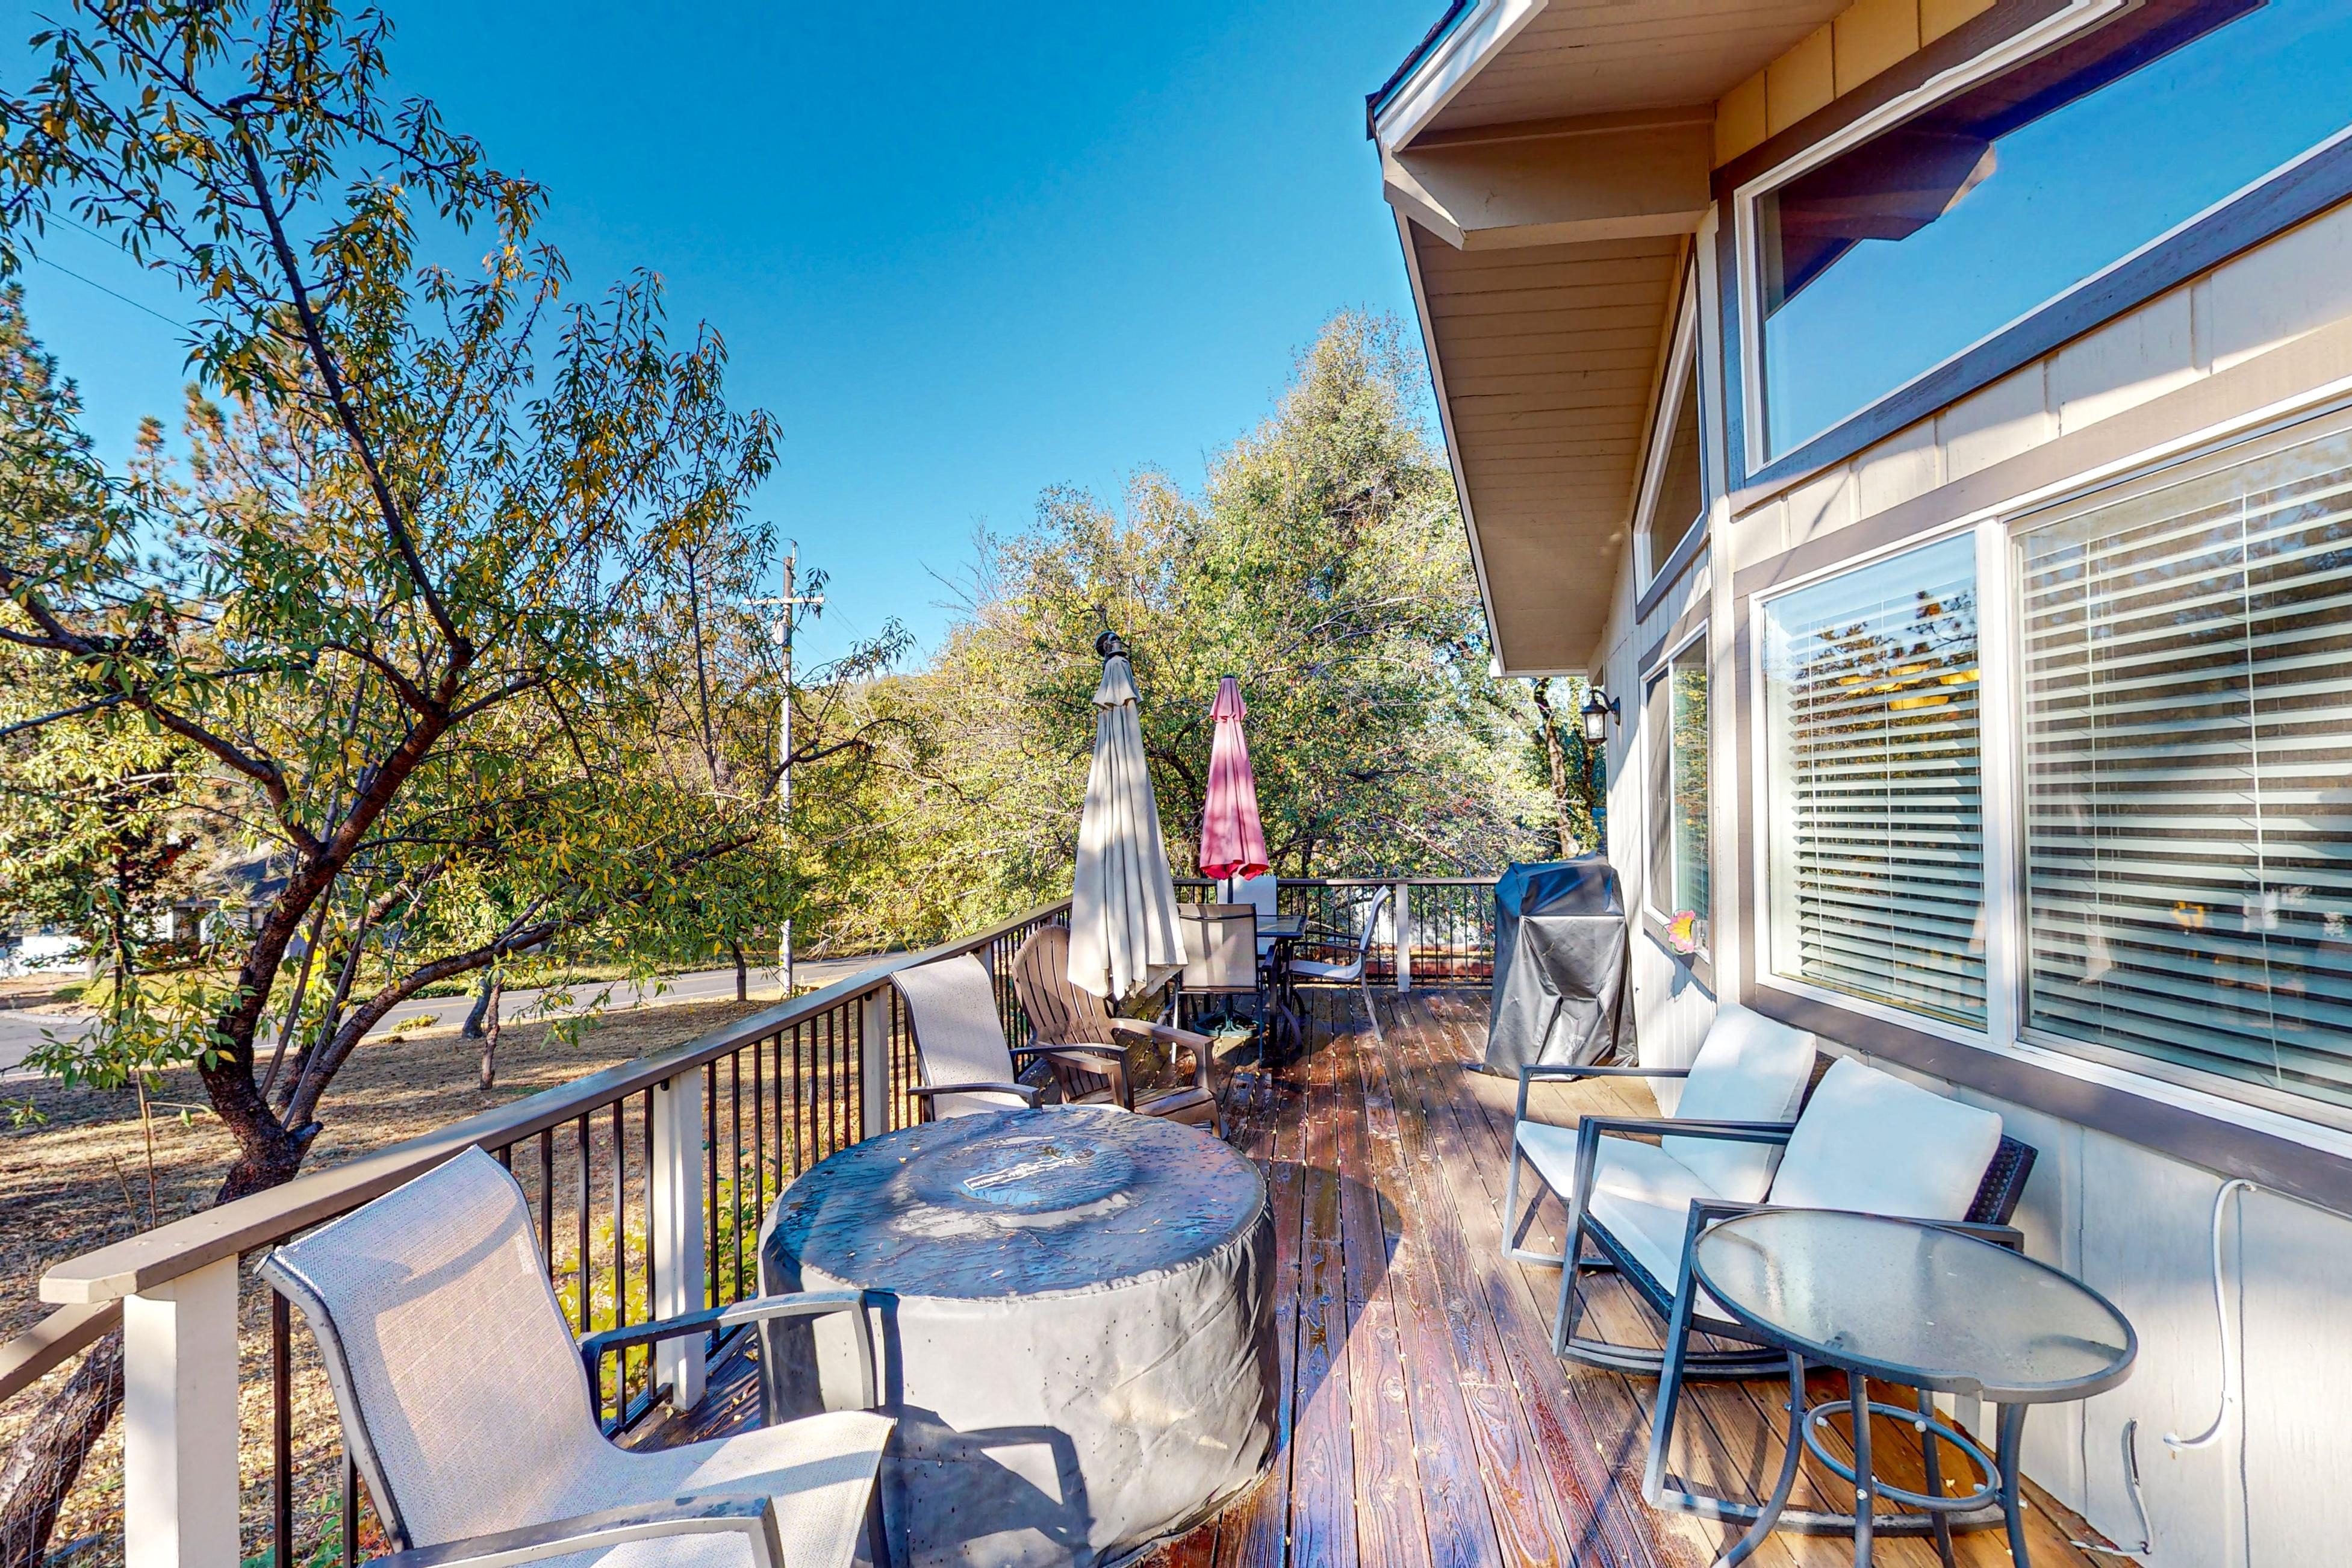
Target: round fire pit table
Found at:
1077, 1338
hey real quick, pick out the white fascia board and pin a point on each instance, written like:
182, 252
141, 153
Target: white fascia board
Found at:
1459, 57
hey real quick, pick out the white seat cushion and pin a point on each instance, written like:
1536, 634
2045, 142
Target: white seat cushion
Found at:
1750, 1068
819, 1468
1652, 1233
1642, 1172
1872, 1142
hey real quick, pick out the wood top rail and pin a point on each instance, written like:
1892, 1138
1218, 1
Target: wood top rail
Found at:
153, 1257
51, 1342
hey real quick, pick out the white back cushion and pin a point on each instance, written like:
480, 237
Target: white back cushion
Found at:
1750, 1068
1869, 1141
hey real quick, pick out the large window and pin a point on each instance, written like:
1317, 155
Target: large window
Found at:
1676, 499
1876, 826
1897, 253
2187, 693
1678, 822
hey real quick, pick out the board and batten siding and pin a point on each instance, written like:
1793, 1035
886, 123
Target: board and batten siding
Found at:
2131, 1221
1672, 1009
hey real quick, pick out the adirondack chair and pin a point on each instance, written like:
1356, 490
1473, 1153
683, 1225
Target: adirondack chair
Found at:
466, 1406
1064, 1016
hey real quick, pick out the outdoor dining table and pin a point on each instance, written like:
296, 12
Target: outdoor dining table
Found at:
1921, 1307
1280, 1042
1074, 1323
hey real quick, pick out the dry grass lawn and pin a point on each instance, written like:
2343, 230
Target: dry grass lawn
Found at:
81, 1180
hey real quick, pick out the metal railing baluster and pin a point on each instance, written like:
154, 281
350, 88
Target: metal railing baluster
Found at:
281, 1431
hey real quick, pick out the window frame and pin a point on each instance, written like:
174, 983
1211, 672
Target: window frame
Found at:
1997, 528
2306, 185
1767, 971
2016, 523
1658, 772
1681, 376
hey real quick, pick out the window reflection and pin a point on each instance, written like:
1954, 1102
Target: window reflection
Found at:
1901, 252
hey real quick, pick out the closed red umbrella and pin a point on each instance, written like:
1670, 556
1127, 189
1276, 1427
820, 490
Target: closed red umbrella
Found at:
1233, 843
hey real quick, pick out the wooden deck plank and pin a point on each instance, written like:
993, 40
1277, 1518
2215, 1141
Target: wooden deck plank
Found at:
1323, 1469
1527, 1517
1390, 1528
1256, 1530
1598, 1406
1453, 1505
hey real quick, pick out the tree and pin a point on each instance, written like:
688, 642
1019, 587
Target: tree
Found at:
1324, 563
1569, 764
392, 621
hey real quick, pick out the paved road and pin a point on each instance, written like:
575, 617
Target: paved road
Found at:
20, 1031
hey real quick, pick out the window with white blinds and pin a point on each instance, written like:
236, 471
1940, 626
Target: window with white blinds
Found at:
1876, 815
2187, 694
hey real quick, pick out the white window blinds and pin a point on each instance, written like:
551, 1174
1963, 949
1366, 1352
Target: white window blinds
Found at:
1877, 830
2188, 726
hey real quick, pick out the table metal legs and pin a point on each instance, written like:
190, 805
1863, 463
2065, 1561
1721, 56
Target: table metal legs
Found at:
1934, 1460
2006, 1449
2000, 1469
1769, 1515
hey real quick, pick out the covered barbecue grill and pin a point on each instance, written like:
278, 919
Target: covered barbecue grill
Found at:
1560, 963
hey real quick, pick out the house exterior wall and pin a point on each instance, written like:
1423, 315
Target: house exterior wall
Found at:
2131, 1216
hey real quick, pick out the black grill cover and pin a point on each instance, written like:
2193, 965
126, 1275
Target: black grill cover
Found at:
1559, 966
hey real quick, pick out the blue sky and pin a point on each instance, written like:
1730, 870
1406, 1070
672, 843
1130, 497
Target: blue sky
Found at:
962, 252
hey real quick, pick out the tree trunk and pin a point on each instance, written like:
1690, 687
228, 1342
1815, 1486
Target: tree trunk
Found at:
482, 1000
41, 1470
741, 978
1563, 781
491, 1034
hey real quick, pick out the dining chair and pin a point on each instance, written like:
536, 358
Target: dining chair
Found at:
1352, 972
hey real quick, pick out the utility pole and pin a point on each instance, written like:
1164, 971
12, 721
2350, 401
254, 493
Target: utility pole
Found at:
790, 603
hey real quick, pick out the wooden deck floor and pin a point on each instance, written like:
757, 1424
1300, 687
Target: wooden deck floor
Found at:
1426, 1422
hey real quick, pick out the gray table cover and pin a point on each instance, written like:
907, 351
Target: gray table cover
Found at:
1078, 1342
1559, 966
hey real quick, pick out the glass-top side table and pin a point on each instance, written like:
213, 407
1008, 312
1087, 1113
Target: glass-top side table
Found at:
1921, 1307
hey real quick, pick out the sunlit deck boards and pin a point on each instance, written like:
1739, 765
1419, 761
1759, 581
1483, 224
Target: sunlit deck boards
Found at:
1427, 1424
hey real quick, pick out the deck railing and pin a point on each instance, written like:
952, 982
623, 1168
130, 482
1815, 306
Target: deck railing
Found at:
1448, 923
646, 1182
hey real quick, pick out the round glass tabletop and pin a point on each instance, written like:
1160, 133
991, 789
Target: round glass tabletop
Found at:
1915, 1304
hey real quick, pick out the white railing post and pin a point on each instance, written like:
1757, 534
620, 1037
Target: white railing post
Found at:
179, 1422
679, 1278
1403, 936
874, 1059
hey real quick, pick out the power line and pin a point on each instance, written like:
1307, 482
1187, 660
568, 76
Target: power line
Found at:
102, 288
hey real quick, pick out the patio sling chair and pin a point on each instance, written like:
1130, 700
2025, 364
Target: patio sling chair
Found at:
467, 1409
1066, 1020
1351, 972
959, 1041
1220, 951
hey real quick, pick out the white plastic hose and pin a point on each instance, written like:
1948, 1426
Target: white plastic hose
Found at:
2212, 1434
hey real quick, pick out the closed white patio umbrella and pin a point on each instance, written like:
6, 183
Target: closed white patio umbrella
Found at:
1124, 939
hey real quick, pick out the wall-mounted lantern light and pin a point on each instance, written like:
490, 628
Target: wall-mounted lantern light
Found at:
1598, 710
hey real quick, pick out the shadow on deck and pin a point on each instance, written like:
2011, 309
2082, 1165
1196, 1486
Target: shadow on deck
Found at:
1426, 1421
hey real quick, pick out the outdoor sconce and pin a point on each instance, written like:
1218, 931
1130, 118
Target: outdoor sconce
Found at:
1598, 710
